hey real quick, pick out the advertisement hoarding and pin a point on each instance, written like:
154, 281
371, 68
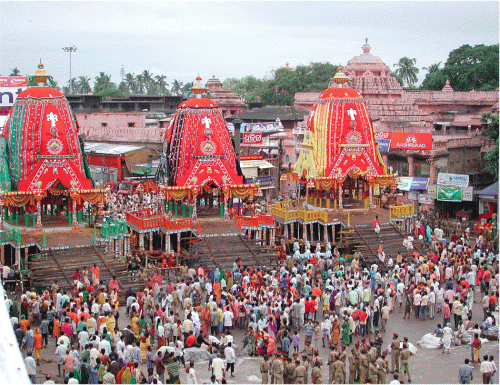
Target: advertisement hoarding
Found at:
449, 193
10, 87
411, 140
251, 138
453, 179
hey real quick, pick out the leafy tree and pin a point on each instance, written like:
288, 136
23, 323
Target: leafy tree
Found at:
147, 80
398, 78
434, 81
491, 157
247, 88
161, 84
186, 88
102, 82
131, 82
475, 67
72, 87
109, 93
15, 72
407, 70
177, 87
432, 69
83, 85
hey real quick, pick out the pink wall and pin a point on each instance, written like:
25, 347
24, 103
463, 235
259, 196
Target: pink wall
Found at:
110, 119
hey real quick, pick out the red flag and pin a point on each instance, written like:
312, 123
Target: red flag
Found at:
276, 89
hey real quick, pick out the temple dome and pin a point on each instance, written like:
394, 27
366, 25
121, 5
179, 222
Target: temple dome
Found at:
366, 61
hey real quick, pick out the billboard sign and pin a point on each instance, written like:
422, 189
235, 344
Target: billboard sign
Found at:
453, 179
384, 145
411, 140
449, 193
432, 191
251, 138
10, 87
467, 193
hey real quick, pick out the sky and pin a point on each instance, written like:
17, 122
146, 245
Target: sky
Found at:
232, 38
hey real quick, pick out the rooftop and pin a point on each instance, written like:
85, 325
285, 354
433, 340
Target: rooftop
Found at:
109, 148
269, 113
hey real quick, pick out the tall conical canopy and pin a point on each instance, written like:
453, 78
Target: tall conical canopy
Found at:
342, 137
197, 148
42, 144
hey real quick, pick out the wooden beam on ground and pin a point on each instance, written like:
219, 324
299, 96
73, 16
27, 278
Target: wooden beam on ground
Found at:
60, 267
105, 264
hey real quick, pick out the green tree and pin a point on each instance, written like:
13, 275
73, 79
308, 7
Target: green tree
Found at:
161, 84
432, 69
15, 72
131, 82
148, 83
248, 88
102, 82
73, 89
434, 81
186, 88
407, 70
398, 78
177, 87
475, 67
491, 157
109, 93
83, 85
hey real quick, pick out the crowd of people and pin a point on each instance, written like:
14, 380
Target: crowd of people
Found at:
286, 312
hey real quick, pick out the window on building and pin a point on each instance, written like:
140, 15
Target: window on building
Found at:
131, 124
104, 125
288, 158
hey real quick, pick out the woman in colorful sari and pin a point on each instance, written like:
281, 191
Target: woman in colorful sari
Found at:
335, 331
160, 333
173, 370
144, 342
345, 333
205, 319
126, 376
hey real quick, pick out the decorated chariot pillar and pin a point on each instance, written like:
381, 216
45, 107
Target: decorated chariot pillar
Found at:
370, 194
325, 233
341, 196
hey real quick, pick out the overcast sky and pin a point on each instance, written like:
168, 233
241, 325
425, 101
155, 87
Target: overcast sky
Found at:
232, 39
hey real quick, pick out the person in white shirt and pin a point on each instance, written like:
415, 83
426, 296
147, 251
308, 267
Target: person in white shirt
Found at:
486, 369
30, 363
83, 338
218, 368
60, 352
191, 374
230, 358
104, 344
227, 317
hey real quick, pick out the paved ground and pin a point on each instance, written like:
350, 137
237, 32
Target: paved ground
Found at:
428, 366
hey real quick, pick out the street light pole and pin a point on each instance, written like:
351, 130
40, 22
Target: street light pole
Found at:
70, 50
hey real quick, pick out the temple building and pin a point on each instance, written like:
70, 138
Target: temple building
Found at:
227, 100
429, 131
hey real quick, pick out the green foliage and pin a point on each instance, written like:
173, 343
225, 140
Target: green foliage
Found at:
491, 157
102, 82
475, 67
177, 87
280, 89
15, 72
467, 68
434, 81
407, 70
109, 93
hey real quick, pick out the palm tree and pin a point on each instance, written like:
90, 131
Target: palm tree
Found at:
15, 72
177, 87
83, 84
140, 84
147, 78
407, 70
102, 82
71, 88
432, 69
131, 83
161, 84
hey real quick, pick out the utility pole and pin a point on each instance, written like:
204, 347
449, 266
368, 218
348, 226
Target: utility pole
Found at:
70, 50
